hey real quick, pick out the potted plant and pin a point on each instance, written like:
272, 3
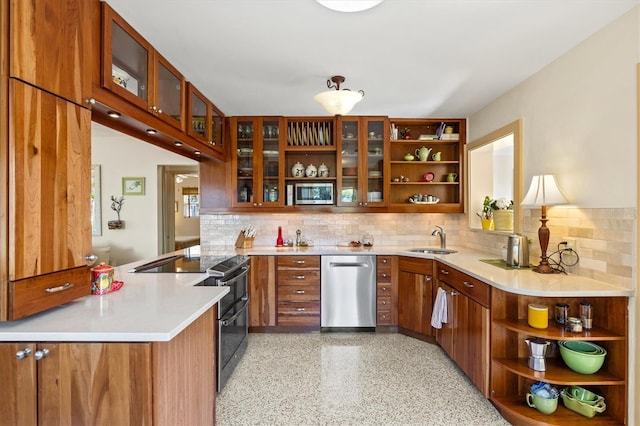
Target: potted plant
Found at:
502, 214
486, 217
116, 206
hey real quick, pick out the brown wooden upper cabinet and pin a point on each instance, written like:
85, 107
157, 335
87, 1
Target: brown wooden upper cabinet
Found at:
133, 70
205, 120
50, 46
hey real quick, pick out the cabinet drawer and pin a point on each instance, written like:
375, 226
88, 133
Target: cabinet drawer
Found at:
36, 294
465, 284
298, 293
383, 275
384, 261
384, 303
383, 318
299, 313
298, 262
299, 277
384, 289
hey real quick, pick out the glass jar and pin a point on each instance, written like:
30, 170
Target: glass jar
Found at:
367, 240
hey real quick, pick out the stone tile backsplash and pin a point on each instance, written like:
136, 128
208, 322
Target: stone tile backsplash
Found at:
604, 237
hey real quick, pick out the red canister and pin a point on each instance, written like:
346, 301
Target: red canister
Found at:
101, 278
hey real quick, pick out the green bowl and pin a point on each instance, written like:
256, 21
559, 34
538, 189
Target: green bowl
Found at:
582, 346
580, 362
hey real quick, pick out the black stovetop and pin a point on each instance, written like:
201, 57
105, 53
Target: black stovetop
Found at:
214, 265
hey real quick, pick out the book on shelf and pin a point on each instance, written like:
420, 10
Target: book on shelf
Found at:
440, 130
450, 136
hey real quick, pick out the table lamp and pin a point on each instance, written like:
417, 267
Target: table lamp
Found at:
543, 192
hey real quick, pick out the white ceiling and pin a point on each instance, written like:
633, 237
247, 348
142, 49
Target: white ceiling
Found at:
413, 58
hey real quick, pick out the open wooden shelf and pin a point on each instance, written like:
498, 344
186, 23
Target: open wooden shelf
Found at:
557, 332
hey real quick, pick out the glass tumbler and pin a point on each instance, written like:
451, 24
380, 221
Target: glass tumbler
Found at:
586, 315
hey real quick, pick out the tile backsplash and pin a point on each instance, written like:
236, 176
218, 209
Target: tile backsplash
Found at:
604, 237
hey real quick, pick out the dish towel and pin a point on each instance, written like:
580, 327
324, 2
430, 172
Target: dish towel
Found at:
439, 314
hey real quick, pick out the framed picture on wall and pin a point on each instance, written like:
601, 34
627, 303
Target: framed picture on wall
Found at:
132, 186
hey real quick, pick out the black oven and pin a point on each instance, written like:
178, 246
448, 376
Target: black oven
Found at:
232, 323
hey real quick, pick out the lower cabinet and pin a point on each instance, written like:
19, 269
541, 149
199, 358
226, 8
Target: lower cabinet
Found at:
298, 287
111, 383
465, 336
415, 295
262, 292
387, 291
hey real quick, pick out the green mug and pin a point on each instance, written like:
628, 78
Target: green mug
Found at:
544, 405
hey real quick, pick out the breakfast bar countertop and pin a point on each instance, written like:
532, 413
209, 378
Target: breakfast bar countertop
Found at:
518, 281
149, 307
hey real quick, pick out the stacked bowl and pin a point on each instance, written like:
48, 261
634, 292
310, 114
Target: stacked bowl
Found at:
582, 357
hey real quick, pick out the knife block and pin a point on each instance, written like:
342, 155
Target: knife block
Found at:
244, 242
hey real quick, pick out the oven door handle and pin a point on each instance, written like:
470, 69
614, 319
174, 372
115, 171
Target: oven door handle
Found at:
225, 321
236, 277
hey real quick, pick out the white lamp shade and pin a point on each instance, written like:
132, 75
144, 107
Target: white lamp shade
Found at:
338, 102
543, 192
349, 5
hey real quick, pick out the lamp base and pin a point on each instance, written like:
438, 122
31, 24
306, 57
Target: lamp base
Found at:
544, 268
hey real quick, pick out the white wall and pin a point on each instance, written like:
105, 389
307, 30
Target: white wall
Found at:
580, 123
579, 118
120, 155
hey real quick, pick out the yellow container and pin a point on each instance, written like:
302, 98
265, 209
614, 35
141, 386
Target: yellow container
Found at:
538, 316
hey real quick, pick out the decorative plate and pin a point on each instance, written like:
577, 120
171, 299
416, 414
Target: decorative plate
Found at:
429, 176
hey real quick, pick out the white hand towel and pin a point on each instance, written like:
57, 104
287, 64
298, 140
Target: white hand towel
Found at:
439, 314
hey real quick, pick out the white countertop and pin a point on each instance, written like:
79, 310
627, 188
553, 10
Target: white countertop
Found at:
149, 307
524, 281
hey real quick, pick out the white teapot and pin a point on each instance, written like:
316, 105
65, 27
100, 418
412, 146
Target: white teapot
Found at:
297, 170
311, 171
323, 170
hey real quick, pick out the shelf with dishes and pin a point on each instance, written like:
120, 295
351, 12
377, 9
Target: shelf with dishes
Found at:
512, 376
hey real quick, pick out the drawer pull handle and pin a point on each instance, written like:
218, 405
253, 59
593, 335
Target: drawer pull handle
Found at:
384, 302
467, 284
23, 353
454, 293
41, 354
298, 277
384, 275
384, 317
384, 289
59, 288
443, 272
384, 260
299, 262
428, 277
297, 291
299, 309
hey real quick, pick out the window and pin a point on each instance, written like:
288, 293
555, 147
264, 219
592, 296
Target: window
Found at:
191, 201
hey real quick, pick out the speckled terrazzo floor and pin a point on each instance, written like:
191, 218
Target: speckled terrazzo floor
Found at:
349, 379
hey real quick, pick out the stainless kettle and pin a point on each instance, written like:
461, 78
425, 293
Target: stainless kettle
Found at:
517, 251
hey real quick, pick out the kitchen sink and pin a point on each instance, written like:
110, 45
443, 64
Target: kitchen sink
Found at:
433, 250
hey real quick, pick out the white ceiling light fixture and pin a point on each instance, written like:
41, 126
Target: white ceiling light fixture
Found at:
349, 5
338, 102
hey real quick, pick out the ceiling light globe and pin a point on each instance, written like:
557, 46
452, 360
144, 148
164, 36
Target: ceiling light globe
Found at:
338, 102
349, 5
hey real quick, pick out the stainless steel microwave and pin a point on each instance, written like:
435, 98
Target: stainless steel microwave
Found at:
313, 193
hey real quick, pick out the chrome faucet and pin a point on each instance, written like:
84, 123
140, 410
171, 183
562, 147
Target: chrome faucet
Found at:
443, 236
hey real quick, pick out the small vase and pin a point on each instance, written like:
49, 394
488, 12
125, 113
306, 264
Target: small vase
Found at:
487, 224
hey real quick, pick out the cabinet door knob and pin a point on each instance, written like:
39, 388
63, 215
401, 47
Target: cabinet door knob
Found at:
454, 293
23, 353
384, 289
41, 354
467, 284
91, 258
384, 302
384, 260
428, 277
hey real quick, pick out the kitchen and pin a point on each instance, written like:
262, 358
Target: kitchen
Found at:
580, 168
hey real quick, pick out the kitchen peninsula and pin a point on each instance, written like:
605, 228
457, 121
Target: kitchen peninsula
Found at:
144, 354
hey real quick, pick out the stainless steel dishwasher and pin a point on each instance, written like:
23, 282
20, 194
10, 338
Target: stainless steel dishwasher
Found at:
348, 292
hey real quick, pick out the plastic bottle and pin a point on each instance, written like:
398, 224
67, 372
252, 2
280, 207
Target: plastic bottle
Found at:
279, 241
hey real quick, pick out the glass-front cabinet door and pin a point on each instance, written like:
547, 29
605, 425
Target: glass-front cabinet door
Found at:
204, 121
361, 158
169, 90
256, 162
216, 135
126, 59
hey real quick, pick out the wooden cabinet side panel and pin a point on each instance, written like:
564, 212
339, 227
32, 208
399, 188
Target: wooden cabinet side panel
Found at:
262, 291
50, 179
51, 46
184, 375
18, 404
95, 383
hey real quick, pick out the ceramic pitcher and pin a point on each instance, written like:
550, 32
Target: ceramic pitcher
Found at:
423, 153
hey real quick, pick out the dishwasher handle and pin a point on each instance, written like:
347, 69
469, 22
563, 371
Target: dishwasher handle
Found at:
348, 265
